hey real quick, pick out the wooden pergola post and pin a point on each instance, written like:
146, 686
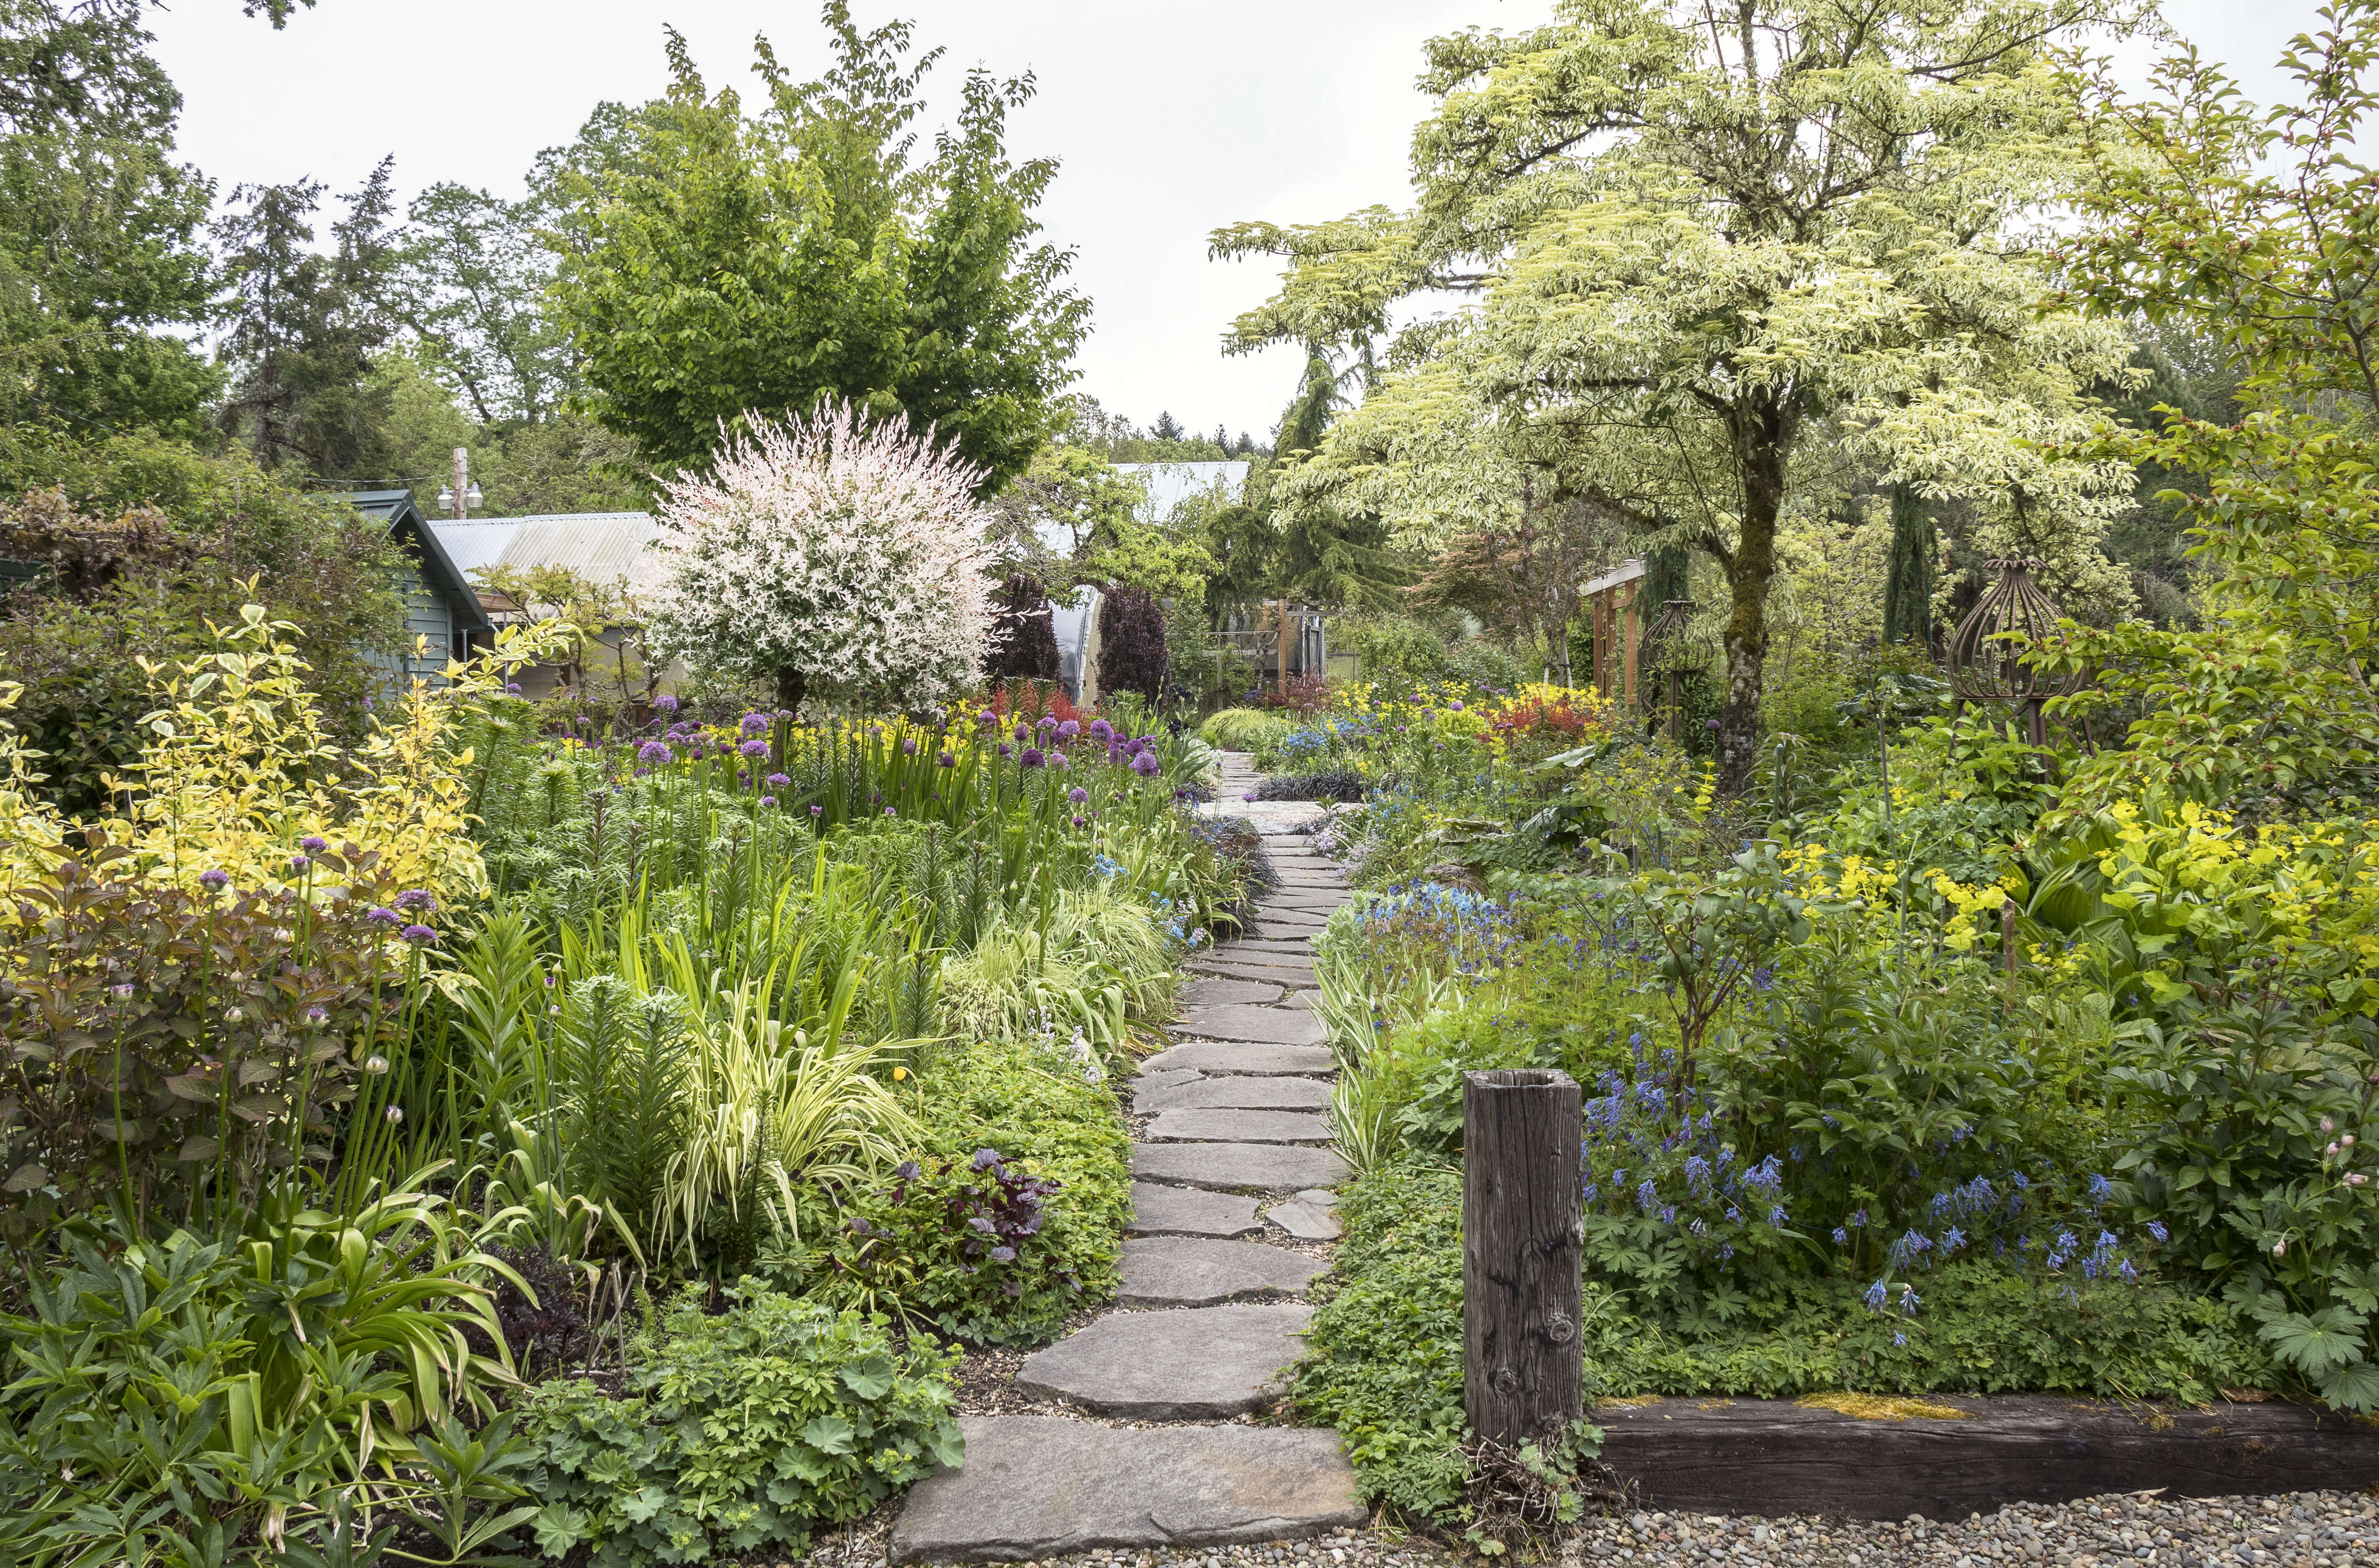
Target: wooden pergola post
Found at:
1523, 1299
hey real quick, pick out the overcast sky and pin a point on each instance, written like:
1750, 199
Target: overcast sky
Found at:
1169, 121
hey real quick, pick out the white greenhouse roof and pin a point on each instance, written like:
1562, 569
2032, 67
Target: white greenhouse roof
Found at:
1170, 484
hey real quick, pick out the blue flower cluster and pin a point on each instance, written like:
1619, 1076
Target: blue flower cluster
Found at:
1689, 1179
1468, 933
2025, 1219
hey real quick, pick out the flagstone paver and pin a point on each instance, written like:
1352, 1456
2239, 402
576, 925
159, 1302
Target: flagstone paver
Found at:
1234, 1125
1238, 1167
1187, 1211
1264, 1026
1261, 1058
1185, 1270
1203, 1365
1233, 1092
1037, 1487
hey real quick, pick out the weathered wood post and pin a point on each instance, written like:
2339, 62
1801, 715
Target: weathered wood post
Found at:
1522, 1300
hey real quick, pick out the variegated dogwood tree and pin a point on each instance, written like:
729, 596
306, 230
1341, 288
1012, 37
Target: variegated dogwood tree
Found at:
1722, 258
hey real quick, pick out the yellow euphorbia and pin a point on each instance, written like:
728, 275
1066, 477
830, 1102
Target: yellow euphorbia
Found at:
236, 773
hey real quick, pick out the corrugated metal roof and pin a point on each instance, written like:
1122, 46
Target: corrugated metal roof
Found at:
601, 547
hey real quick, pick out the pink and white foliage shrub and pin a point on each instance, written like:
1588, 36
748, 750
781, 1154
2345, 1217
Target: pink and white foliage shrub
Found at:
852, 553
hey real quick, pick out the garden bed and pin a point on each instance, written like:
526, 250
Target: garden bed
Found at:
1774, 1456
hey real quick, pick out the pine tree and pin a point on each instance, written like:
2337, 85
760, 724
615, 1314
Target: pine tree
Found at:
1908, 574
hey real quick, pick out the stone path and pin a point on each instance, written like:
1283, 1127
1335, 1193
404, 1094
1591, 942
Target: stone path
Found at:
1232, 1162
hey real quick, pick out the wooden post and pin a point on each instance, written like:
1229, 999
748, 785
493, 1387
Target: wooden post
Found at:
1283, 650
1627, 636
1522, 1234
1602, 639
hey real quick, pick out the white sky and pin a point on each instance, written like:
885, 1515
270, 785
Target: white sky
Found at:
1169, 121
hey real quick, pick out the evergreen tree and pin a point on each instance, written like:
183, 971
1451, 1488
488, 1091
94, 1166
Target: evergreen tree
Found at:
303, 325
1908, 574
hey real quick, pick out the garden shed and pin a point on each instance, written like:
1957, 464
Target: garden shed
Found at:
439, 603
603, 550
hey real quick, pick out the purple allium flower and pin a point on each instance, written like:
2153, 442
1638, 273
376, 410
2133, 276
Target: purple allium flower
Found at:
755, 748
1146, 764
215, 881
1078, 794
1078, 821
312, 844
665, 703
1710, 724
1059, 760
743, 776
755, 722
1005, 750
1024, 734
768, 800
584, 722
986, 718
1248, 796
1100, 731
947, 760
317, 1015
1048, 722
382, 916
512, 688
817, 811
654, 751
298, 862
1068, 729
889, 812
416, 898
779, 780
1033, 757
1455, 707
786, 714
420, 936
908, 745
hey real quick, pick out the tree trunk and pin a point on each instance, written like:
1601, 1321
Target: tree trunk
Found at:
1763, 443
792, 686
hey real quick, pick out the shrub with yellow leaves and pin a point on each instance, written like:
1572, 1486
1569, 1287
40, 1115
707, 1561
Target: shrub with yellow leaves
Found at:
236, 775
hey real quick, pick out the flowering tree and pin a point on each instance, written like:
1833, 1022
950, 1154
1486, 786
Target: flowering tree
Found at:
847, 559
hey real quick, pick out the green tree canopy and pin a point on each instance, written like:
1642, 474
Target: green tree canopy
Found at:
1717, 249
718, 267
98, 253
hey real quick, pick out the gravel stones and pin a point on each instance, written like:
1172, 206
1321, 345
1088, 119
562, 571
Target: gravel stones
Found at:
1233, 1092
1242, 1057
1174, 1271
1236, 1167
1237, 1127
1036, 1486
1267, 1026
1186, 1211
1197, 1366
1312, 1215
